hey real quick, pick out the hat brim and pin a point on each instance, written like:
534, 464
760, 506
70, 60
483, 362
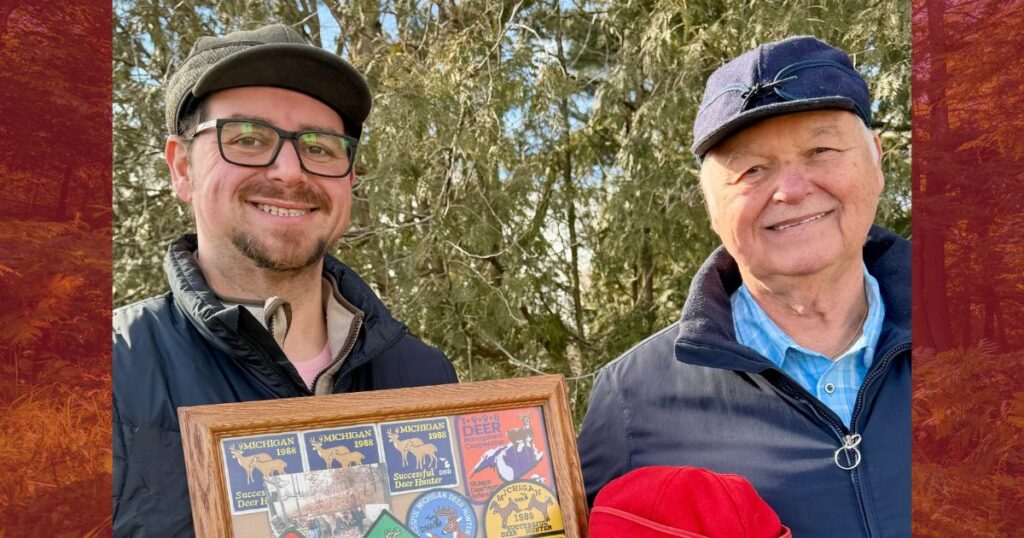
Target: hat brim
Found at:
605, 523
298, 67
750, 117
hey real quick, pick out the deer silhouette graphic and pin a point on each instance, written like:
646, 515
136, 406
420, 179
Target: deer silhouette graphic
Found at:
270, 468
541, 507
451, 524
415, 446
521, 435
351, 459
505, 511
340, 454
251, 462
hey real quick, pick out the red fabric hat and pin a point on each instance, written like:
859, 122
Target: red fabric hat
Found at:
661, 502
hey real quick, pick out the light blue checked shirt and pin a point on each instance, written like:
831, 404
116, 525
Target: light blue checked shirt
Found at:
835, 383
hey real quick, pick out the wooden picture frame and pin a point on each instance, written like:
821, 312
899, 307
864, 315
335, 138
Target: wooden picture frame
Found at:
209, 431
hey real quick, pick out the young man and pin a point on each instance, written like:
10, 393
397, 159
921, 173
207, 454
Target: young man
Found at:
263, 131
791, 363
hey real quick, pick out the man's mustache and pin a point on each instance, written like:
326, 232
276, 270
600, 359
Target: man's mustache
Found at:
302, 193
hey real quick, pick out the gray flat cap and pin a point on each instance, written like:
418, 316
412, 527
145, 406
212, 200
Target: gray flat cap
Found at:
274, 55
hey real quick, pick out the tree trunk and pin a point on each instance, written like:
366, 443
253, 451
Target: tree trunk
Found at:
570, 194
931, 269
647, 280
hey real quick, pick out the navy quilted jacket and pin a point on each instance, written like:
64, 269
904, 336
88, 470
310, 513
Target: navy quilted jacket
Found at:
691, 395
184, 348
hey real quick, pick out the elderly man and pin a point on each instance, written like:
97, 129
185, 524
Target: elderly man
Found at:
263, 132
791, 363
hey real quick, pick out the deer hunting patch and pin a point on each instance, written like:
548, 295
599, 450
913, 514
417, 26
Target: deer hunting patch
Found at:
341, 447
387, 526
248, 460
418, 454
503, 446
522, 509
442, 512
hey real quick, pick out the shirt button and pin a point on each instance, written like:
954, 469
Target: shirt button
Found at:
830, 388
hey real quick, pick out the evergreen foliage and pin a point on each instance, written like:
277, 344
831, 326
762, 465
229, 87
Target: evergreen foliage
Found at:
526, 199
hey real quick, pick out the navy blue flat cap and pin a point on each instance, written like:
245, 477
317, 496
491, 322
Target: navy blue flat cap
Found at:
793, 75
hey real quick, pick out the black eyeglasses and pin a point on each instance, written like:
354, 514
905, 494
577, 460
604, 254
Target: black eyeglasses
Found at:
256, 144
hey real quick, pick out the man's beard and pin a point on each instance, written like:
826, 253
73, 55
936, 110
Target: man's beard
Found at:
306, 194
248, 246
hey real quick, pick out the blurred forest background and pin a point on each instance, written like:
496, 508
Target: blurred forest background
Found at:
968, 277
55, 252
526, 199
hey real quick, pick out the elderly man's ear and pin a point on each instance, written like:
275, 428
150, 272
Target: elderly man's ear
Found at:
706, 200
877, 141
176, 155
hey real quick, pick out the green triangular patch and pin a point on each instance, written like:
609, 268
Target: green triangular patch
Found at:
387, 526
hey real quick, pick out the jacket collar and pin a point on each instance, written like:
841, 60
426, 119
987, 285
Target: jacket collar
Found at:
706, 335
223, 326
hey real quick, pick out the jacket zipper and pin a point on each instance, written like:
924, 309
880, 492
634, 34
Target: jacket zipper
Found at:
884, 364
343, 353
300, 388
848, 437
883, 367
390, 343
841, 433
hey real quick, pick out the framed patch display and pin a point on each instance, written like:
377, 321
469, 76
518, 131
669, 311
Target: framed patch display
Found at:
491, 459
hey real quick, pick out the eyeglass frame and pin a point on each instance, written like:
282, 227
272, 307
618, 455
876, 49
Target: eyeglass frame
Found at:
282, 136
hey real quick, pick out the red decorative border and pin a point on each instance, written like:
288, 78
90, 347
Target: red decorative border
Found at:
968, 249
55, 268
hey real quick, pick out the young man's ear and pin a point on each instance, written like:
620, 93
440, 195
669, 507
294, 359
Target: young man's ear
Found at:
358, 169
176, 154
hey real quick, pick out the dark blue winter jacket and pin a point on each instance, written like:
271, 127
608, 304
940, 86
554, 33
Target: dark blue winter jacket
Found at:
185, 348
691, 395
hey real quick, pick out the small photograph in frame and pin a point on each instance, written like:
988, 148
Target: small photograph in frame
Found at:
339, 502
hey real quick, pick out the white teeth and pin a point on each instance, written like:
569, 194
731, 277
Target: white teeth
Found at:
282, 212
805, 221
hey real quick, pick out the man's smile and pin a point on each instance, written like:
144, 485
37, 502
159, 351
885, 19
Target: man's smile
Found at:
798, 221
280, 211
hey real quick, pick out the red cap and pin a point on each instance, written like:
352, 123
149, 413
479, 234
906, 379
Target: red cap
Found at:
662, 502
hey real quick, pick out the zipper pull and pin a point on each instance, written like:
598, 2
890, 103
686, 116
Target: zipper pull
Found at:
850, 453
